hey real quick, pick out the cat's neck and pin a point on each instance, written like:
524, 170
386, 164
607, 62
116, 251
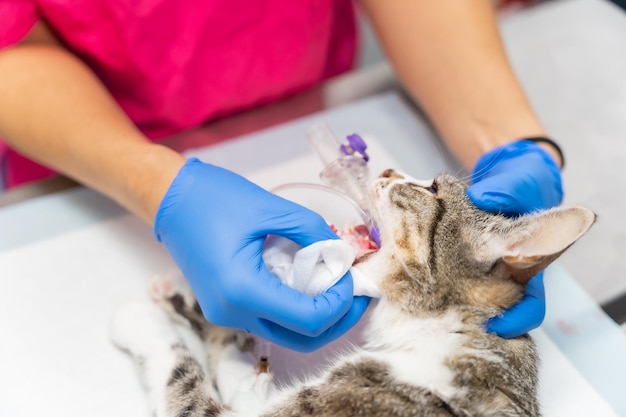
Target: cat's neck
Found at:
411, 304
391, 328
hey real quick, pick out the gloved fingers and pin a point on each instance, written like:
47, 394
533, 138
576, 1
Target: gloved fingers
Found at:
516, 178
295, 311
535, 287
499, 194
301, 343
523, 317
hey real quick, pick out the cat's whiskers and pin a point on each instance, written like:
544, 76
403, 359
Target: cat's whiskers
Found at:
483, 170
461, 174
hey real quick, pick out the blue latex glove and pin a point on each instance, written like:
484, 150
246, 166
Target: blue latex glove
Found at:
514, 179
524, 316
214, 223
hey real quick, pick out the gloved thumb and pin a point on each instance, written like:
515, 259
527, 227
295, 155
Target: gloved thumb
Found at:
298, 312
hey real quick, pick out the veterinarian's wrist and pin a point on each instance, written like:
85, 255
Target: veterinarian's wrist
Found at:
550, 146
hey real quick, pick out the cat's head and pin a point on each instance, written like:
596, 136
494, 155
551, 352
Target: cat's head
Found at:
439, 250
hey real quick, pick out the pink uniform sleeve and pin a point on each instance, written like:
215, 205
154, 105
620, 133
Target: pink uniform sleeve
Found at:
17, 18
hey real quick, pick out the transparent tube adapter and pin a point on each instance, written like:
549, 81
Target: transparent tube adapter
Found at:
345, 166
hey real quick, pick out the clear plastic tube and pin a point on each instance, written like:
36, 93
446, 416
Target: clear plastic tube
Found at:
324, 143
344, 169
323, 191
347, 173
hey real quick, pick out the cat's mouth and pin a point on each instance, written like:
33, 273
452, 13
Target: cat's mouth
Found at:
378, 196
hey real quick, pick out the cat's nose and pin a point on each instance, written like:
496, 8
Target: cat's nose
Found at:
388, 173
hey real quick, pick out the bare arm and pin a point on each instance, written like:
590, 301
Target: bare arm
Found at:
449, 55
54, 110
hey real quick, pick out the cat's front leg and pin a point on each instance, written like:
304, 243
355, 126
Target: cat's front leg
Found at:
175, 380
231, 355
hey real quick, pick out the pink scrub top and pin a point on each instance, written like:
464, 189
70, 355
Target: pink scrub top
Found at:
172, 65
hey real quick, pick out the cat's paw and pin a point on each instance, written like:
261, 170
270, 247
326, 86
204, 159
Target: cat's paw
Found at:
169, 283
140, 326
170, 290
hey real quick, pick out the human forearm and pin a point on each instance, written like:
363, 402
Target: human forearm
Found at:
55, 111
449, 56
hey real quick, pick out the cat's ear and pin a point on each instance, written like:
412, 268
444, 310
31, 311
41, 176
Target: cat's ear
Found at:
536, 240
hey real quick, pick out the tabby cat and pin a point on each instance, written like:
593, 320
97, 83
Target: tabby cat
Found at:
444, 268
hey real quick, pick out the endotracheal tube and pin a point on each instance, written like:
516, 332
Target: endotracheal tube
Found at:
345, 166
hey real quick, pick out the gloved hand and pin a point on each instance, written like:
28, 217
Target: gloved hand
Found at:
214, 222
514, 179
524, 316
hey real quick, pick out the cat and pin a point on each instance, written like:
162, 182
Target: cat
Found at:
444, 268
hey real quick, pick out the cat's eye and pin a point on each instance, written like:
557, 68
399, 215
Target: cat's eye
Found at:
433, 188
